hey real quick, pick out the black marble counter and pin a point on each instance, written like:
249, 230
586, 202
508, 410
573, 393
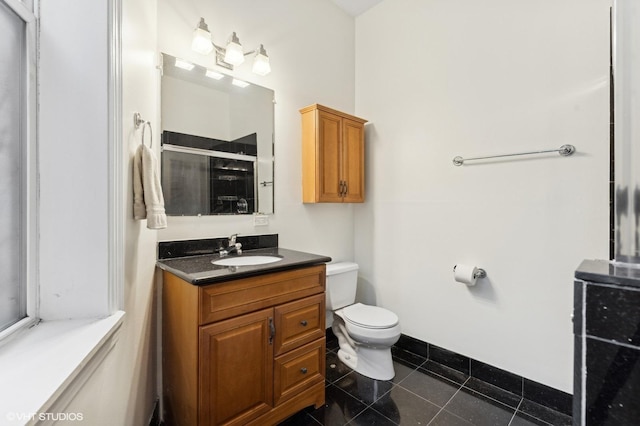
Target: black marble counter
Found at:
199, 270
609, 272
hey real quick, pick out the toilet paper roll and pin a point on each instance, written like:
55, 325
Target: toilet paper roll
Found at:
465, 274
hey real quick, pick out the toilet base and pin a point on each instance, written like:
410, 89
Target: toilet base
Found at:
374, 363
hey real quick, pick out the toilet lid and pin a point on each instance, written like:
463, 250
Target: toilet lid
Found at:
370, 316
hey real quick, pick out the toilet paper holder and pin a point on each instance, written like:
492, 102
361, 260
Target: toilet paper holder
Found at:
480, 273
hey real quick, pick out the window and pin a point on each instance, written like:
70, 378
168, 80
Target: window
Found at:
17, 110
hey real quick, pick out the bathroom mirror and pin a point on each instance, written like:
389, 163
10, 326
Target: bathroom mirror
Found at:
217, 142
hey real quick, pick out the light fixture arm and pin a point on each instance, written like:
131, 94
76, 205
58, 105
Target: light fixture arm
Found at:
219, 49
222, 50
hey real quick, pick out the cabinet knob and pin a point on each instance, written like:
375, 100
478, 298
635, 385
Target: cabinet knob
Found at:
303, 323
303, 370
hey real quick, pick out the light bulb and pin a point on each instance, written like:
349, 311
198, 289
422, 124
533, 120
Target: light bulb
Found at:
202, 39
261, 62
233, 53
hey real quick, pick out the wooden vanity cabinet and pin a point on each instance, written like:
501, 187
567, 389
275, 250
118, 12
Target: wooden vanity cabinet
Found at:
332, 156
246, 351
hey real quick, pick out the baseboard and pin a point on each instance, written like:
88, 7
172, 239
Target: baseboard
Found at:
518, 385
527, 389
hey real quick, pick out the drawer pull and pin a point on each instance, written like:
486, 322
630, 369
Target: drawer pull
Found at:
272, 330
303, 323
303, 370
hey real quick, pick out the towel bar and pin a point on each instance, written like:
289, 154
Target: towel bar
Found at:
564, 150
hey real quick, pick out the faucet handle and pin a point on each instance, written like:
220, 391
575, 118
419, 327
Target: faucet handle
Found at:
232, 239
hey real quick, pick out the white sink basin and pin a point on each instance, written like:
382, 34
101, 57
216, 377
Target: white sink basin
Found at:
246, 260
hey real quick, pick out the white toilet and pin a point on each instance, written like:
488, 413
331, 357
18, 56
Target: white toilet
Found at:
365, 333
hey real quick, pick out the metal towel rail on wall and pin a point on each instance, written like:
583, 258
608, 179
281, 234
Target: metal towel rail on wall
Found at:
564, 150
139, 122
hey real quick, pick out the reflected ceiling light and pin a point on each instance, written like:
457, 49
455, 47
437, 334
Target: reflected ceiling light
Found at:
213, 74
232, 54
239, 83
202, 39
181, 63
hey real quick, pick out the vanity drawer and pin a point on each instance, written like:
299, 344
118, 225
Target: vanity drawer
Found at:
298, 323
237, 297
298, 370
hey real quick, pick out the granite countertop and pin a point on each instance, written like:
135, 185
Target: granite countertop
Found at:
199, 270
609, 272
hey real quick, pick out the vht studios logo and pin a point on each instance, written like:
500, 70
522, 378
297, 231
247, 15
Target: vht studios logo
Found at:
73, 417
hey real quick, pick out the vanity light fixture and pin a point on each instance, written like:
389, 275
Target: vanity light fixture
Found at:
181, 63
232, 54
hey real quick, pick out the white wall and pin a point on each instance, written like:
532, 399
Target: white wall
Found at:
476, 78
311, 62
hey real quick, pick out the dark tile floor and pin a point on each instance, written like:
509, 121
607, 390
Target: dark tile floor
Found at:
421, 393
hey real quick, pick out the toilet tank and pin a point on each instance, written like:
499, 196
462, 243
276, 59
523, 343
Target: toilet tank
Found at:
342, 280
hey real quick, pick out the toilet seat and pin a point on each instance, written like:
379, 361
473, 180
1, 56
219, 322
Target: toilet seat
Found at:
371, 317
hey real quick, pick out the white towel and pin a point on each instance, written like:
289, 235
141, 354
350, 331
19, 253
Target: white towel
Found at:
148, 201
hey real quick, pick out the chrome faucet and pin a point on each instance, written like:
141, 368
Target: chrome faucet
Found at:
232, 246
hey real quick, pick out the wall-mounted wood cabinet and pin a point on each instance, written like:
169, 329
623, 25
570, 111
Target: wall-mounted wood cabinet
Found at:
332, 156
244, 352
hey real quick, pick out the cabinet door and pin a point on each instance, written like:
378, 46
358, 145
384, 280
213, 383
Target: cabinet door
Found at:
329, 157
236, 369
353, 160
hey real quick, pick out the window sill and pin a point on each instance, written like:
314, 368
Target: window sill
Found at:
44, 367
